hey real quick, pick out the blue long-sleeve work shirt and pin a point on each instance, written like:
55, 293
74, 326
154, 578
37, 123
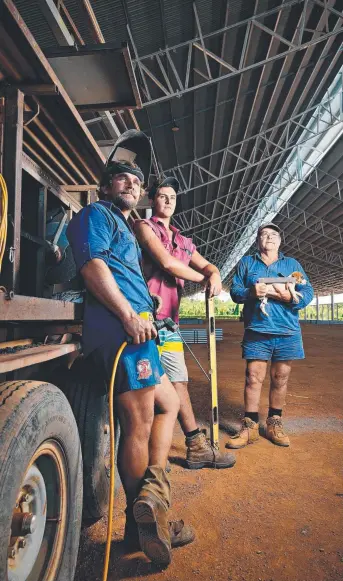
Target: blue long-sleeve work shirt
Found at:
101, 231
283, 317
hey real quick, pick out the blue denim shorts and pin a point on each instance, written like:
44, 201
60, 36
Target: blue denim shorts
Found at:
139, 365
268, 347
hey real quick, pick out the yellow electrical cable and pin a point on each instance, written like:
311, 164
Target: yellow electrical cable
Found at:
112, 462
148, 317
3, 222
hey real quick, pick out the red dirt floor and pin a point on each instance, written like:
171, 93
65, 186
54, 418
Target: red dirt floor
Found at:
278, 514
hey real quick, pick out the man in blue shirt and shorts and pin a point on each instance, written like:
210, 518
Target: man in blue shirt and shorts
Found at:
276, 337
108, 257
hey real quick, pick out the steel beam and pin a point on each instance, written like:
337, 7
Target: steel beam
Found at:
34, 355
200, 215
147, 64
296, 82
98, 36
202, 43
41, 230
64, 38
43, 178
110, 124
22, 308
280, 22
289, 127
12, 169
56, 24
293, 214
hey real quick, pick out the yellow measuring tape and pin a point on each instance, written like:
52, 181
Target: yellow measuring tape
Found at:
212, 356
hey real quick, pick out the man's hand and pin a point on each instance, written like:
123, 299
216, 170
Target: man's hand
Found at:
279, 292
139, 329
213, 285
259, 290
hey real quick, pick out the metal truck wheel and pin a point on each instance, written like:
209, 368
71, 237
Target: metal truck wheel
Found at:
40, 483
88, 399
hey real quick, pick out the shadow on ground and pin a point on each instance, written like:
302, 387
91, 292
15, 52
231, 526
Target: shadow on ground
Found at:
123, 564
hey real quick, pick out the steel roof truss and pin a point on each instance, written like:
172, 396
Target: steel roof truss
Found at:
148, 63
290, 127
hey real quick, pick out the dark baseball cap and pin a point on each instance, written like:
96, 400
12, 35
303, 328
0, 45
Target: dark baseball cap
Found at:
166, 182
268, 225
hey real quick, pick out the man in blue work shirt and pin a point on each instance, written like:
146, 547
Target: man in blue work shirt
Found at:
276, 338
108, 257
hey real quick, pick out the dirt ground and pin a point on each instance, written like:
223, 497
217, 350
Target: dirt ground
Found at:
278, 514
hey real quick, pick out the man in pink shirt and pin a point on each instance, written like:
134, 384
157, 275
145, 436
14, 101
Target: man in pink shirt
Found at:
168, 260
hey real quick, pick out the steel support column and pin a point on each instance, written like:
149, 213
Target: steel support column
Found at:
332, 305
317, 307
12, 170
41, 230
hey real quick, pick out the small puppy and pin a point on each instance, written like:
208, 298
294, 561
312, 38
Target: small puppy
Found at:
291, 287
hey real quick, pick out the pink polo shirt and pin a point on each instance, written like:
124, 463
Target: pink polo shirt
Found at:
168, 287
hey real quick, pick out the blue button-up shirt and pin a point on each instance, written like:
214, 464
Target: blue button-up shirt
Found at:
283, 317
101, 231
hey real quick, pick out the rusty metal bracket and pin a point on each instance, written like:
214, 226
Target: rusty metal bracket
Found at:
9, 295
38, 89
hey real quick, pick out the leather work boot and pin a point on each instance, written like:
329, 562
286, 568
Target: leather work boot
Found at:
180, 534
150, 511
275, 432
248, 434
131, 538
201, 454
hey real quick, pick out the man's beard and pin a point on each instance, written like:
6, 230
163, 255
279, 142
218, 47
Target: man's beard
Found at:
124, 203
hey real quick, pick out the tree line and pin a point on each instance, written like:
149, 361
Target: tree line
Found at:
196, 308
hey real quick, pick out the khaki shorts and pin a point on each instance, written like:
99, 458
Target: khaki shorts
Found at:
172, 356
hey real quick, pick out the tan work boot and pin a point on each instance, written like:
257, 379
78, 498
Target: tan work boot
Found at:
275, 432
150, 511
248, 434
180, 534
201, 454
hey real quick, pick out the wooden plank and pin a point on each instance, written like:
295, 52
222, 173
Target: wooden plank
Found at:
34, 355
22, 308
82, 188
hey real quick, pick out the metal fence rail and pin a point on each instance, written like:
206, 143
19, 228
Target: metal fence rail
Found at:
199, 335
322, 322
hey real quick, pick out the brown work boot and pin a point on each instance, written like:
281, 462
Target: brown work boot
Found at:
201, 454
248, 434
180, 534
275, 432
131, 538
150, 510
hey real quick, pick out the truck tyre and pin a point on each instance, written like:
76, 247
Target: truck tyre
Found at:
88, 398
40, 483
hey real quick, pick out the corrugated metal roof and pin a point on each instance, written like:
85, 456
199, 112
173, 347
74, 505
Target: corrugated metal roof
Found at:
42, 33
221, 113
